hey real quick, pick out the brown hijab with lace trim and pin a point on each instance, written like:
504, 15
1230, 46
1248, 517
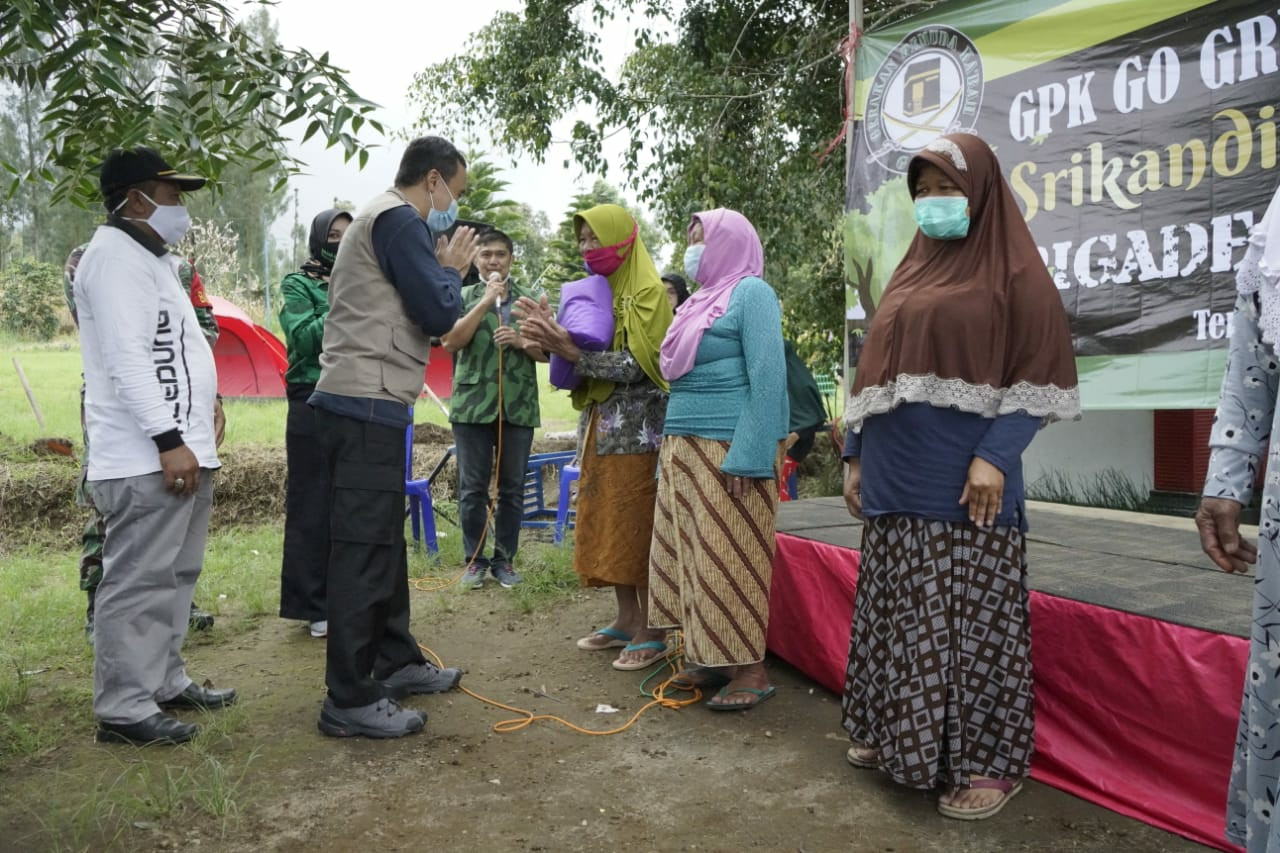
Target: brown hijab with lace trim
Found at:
974, 324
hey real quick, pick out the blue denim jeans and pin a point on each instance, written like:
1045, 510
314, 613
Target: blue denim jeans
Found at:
475, 445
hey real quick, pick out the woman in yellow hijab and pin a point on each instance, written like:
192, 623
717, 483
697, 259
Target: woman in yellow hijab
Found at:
623, 400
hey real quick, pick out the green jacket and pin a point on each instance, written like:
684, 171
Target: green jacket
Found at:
306, 304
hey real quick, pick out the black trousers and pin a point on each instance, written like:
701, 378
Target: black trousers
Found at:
306, 514
475, 447
368, 581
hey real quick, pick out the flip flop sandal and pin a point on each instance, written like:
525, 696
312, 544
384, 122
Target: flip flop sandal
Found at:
761, 696
1008, 788
660, 650
699, 677
862, 763
616, 639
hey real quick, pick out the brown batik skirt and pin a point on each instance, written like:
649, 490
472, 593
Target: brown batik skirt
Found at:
711, 561
615, 516
939, 677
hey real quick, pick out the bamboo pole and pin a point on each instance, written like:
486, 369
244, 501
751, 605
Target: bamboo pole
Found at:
31, 397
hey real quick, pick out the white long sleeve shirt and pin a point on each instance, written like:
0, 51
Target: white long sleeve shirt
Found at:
147, 367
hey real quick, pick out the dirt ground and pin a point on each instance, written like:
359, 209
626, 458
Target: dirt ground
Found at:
771, 779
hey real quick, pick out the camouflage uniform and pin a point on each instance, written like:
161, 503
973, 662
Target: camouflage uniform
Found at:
95, 528
474, 414
475, 391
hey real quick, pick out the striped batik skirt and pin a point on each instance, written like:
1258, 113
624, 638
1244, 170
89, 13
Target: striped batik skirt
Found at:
711, 559
939, 677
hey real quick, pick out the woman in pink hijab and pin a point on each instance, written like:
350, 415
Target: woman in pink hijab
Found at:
721, 451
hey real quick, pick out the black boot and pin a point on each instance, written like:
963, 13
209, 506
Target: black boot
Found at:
200, 620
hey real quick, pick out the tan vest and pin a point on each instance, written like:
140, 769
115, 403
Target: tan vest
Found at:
372, 349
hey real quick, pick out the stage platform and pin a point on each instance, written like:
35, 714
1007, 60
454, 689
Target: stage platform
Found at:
1138, 645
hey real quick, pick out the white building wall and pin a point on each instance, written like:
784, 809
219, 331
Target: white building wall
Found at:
1092, 455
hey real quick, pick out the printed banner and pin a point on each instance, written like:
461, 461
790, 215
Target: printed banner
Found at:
1139, 137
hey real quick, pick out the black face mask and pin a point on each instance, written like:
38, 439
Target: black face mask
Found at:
328, 252
323, 251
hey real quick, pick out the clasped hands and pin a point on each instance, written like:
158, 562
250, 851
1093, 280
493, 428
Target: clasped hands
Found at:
538, 326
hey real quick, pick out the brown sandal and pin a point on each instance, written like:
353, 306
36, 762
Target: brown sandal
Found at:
1007, 787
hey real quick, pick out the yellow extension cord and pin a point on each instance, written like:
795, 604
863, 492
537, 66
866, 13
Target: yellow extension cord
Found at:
659, 699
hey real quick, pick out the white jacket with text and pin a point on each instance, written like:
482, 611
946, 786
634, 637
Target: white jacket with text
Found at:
147, 366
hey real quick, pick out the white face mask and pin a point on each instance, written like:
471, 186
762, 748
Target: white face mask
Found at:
170, 221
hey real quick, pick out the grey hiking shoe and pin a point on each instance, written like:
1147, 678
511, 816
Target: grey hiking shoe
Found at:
383, 719
422, 678
473, 577
506, 575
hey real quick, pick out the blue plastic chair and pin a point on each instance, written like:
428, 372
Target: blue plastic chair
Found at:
536, 512
421, 512
565, 513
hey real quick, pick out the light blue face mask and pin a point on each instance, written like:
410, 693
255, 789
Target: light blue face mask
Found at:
440, 221
943, 217
692, 258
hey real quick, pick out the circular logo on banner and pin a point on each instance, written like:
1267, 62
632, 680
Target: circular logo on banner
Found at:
929, 85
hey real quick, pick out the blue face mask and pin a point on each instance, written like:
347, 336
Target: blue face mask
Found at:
440, 221
692, 258
943, 217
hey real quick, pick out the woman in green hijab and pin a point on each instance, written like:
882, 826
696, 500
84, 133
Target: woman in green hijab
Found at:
623, 401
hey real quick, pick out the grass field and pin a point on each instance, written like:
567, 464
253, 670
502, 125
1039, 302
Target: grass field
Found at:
95, 798
53, 371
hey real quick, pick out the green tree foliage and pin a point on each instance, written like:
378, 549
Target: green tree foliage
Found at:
245, 199
249, 197
30, 297
179, 72
727, 103
531, 251
484, 202
30, 225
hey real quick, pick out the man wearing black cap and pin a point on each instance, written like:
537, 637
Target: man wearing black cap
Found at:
150, 391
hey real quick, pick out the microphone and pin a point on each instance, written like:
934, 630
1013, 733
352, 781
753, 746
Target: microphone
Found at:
497, 302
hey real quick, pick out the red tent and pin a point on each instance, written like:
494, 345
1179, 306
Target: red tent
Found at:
251, 361
440, 372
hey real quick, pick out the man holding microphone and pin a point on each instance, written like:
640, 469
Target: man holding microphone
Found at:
486, 415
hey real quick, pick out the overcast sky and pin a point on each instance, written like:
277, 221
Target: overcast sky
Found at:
382, 44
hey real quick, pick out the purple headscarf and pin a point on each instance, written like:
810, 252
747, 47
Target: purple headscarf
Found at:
732, 253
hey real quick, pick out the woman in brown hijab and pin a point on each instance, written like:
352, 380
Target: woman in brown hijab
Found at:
968, 355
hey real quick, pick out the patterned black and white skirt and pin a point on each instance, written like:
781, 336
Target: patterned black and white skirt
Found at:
939, 677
